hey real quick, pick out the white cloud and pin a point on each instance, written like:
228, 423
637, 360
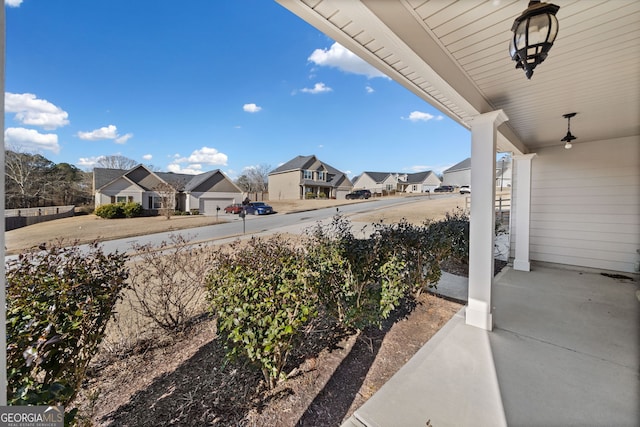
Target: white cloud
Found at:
369, 89
339, 57
13, 3
317, 88
208, 156
31, 140
35, 112
124, 138
89, 162
251, 108
147, 157
419, 116
189, 170
106, 132
195, 161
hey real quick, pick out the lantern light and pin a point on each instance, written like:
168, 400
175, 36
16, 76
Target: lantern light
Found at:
533, 35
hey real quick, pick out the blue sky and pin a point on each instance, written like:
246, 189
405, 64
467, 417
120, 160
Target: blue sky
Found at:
199, 85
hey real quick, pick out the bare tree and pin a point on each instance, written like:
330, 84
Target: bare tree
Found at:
255, 178
116, 162
243, 182
26, 179
167, 194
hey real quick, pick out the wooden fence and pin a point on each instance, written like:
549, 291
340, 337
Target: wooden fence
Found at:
17, 218
503, 206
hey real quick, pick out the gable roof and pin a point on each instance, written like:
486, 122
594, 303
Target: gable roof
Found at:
418, 177
305, 162
377, 177
103, 176
465, 164
180, 181
297, 163
411, 178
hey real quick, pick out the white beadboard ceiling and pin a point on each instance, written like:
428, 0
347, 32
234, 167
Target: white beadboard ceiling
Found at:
454, 55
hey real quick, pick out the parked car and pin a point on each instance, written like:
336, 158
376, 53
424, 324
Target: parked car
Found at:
258, 208
465, 189
444, 189
233, 209
359, 194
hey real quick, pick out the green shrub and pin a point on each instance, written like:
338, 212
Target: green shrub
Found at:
358, 281
59, 301
421, 248
258, 292
110, 211
453, 233
132, 209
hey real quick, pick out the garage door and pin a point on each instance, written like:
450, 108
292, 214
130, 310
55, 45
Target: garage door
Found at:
208, 206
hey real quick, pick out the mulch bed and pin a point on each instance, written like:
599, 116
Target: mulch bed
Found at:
187, 380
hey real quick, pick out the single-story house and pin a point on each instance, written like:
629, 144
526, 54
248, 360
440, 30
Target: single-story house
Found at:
542, 349
418, 182
204, 192
307, 177
380, 182
460, 173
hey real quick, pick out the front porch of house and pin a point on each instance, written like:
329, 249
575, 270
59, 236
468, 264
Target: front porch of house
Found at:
564, 350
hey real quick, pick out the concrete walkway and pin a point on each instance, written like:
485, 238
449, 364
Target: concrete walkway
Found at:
564, 351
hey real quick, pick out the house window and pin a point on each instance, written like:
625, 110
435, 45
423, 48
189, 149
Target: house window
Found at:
321, 176
155, 202
121, 199
307, 174
414, 187
389, 187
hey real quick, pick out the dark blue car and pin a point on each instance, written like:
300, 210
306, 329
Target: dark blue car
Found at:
258, 208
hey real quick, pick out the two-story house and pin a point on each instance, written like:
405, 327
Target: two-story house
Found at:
307, 177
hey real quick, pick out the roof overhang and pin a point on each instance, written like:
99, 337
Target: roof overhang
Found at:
454, 55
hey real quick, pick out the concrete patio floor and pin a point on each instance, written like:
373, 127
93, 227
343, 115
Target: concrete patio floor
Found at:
564, 351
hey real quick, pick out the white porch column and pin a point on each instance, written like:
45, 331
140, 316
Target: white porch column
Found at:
483, 217
521, 221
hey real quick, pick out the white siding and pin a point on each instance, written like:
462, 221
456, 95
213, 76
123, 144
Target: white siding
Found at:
431, 183
120, 187
207, 202
459, 178
364, 182
585, 205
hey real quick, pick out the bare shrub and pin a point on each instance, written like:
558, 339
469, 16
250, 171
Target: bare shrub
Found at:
168, 282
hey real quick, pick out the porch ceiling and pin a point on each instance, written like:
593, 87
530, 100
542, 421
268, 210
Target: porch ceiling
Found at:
454, 55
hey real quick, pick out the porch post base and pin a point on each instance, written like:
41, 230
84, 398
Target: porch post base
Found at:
479, 319
521, 265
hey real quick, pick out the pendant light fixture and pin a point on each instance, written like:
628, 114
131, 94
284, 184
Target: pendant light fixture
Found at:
568, 137
533, 35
